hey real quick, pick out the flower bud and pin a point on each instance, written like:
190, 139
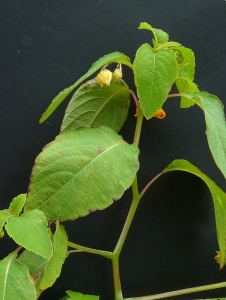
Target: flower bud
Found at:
2, 233
104, 77
218, 257
117, 75
137, 111
160, 114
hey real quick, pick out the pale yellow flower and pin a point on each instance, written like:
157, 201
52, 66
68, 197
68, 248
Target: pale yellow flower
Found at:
104, 77
117, 74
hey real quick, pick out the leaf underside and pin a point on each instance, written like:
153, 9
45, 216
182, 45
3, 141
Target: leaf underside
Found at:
35, 264
215, 125
219, 200
93, 105
106, 59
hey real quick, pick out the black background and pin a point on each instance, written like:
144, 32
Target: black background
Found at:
45, 47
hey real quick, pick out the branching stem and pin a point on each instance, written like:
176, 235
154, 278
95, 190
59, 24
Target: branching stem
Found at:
90, 250
181, 292
129, 219
149, 184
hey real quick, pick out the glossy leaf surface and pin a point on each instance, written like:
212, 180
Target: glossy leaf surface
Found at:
30, 231
93, 105
219, 200
81, 171
107, 59
215, 126
154, 75
54, 266
15, 280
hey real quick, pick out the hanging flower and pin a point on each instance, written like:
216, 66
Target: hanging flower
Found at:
104, 77
137, 111
160, 114
117, 74
218, 256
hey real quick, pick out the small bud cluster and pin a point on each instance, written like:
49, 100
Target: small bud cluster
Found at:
105, 76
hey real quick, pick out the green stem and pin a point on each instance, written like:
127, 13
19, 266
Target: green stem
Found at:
138, 127
129, 219
174, 95
90, 250
116, 277
181, 292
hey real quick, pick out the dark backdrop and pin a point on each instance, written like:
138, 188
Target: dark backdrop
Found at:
45, 47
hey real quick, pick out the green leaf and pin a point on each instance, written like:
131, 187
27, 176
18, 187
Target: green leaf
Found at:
185, 85
154, 76
167, 45
215, 123
35, 264
92, 105
30, 231
54, 266
219, 199
3, 219
80, 296
188, 62
105, 60
17, 205
15, 280
160, 35
81, 171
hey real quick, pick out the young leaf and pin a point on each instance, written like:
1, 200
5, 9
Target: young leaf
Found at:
81, 171
80, 296
17, 205
219, 200
92, 105
35, 264
154, 75
30, 231
166, 45
185, 85
188, 62
107, 59
215, 124
3, 219
15, 280
160, 35
54, 266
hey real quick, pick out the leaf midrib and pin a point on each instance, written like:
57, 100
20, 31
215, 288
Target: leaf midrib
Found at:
86, 166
